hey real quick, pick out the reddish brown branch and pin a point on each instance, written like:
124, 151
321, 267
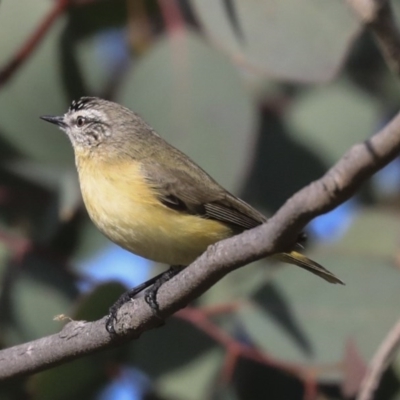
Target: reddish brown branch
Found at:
235, 349
172, 15
33, 41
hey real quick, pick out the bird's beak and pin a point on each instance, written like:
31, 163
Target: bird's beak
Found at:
55, 120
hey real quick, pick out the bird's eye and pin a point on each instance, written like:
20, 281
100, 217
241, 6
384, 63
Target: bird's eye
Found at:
80, 121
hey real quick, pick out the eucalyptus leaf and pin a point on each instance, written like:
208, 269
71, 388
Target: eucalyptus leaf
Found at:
329, 120
35, 88
96, 304
301, 40
32, 312
192, 381
238, 285
196, 100
329, 315
170, 348
91, 240
81, 378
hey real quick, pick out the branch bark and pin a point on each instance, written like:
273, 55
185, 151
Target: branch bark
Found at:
79, 338
337, 185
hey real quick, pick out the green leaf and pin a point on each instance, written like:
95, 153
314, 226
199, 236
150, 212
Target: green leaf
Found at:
91, 240
329, 120
77, 379
95, 304
170, 348
305, 40
360, 240
328, 315
35, 89
86, 376
238, 285
192, 381
32, 312
196, 100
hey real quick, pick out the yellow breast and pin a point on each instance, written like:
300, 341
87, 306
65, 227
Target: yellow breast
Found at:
128, 212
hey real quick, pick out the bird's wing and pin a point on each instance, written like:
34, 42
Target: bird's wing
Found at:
199, 194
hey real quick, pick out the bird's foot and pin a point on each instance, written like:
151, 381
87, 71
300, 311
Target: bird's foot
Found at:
150, 296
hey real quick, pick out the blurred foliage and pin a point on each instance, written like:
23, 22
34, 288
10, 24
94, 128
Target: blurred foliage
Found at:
303, 40
223, 80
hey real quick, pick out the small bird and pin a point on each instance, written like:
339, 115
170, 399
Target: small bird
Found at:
150, 198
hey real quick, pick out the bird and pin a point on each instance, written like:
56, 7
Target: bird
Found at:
149, 197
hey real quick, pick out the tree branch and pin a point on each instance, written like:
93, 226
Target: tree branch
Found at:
380, 361
79, 338
27, 49
377, 15
337, 185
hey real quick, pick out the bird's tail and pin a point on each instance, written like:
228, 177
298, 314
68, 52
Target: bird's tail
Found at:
302, 261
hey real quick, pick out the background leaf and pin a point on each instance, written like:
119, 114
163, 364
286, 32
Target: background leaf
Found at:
303, 40
329, 315
197, 103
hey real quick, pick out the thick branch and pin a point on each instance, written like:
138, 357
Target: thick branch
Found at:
341, 181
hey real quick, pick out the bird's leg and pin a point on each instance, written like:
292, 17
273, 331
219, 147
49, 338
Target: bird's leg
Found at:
150, 295
125, 297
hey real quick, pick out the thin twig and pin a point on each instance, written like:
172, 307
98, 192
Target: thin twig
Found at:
33, 41
378, 16
234, 348
380, 361
172, 16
